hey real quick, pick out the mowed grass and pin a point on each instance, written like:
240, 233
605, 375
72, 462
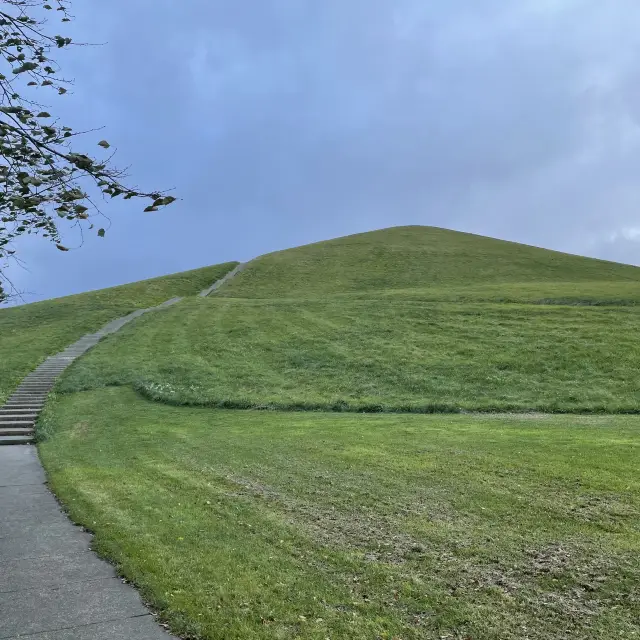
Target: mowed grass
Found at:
384, 355
436, 261
327, 523
240, 524
29, 333
590, 294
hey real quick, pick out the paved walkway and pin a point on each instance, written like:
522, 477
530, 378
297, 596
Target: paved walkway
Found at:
218, 283
52, 586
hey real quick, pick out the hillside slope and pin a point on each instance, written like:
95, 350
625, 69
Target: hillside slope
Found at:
437, 261
31, 332
287, 334
310, 524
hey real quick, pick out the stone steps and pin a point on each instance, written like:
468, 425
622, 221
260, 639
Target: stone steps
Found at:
19, 413
16, 431
5, 440
16, 417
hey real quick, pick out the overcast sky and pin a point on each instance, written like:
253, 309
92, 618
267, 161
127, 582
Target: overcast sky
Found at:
282, 122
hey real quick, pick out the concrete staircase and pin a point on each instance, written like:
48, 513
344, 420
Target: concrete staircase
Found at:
18, 415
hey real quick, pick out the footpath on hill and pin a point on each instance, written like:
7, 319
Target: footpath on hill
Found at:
51, 582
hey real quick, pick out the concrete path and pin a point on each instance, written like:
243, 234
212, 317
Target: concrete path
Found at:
19, 413
52, 587
218, 283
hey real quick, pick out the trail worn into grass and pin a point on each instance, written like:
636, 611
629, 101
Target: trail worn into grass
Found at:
244, 524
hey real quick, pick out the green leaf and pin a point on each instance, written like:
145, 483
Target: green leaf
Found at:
61, 247
104, 144
101, 233
150, 208
27, 66
47, 6
61, 90
43, 114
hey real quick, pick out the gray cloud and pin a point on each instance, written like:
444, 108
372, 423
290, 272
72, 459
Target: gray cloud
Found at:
288, 121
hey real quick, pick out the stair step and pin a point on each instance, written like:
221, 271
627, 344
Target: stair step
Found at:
15, 410
4, 424
17, 416
35, 392
34, 387
40, 386
44, 375
15, 431
6, 440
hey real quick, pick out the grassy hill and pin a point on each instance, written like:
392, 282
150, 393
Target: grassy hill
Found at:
375, 356
436, 321
316, 524
434, 264
29, 333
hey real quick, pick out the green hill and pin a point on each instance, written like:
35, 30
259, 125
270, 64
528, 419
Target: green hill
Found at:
435, 264
285, 334
324, 519
29, 333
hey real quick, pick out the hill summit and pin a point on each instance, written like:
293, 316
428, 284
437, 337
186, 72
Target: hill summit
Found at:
429, 262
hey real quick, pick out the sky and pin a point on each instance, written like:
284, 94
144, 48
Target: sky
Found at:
283, 122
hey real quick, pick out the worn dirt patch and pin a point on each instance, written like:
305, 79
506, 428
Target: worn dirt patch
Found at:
79, 430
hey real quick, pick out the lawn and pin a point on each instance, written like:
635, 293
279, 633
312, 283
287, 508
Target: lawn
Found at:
30, 333
245, 524
375, 355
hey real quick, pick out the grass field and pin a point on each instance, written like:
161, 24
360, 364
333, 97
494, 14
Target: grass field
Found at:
391, 355
29, 333
326, 523
240, 524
